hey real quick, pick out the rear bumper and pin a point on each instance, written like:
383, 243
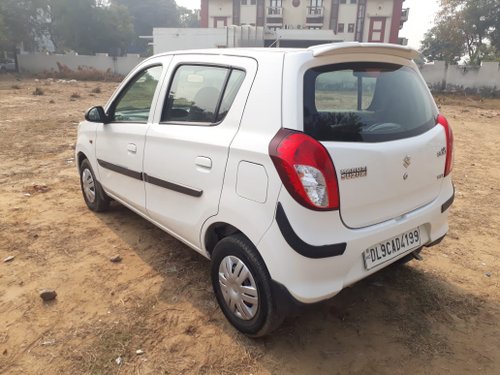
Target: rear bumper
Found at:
328, 256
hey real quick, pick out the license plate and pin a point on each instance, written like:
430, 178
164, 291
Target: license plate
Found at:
391, 248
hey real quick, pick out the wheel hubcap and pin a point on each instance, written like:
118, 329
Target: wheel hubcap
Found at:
238, 288
88, 185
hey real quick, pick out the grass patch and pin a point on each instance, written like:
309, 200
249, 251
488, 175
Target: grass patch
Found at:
82, 73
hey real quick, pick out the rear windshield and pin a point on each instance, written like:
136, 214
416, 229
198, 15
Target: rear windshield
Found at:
366, 102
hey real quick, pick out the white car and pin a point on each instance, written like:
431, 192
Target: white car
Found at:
298, 172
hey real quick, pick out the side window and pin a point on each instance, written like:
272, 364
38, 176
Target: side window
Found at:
134, 102
233, 85
201, 94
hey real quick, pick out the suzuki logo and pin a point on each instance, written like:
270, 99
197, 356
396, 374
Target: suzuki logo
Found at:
406, 161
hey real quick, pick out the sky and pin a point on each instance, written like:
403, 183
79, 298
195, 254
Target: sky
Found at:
421, 18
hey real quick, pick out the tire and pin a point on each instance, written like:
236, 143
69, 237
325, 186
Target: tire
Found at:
93, 194
253, 312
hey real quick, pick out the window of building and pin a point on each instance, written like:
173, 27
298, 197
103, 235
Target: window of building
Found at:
252, 2
354, 1
350, 28
275, 3
342, 1
314, 27
315, 3
243, 2
340, 28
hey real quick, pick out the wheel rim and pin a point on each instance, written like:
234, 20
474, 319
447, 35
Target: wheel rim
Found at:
238, 288
88, 185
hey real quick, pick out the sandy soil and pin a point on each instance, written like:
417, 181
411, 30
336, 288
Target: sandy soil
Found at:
441, 315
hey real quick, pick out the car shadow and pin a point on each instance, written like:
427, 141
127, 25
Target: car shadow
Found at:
402, 313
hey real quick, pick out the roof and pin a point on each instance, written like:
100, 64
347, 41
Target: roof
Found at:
316, 51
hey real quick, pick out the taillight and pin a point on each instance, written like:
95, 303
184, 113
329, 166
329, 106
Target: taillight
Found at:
441, 120
306, 170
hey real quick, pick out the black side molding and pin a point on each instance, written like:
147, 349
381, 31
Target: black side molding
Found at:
121, 170
449, 202
151, 180
301, 247
171, 186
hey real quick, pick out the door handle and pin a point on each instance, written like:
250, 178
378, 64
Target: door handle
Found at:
131, 147
204, 162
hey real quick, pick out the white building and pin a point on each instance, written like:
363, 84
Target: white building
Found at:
301, 23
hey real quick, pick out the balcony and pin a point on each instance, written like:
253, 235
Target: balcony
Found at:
404, 16
314, 12
274, 11
274, 16
314, 16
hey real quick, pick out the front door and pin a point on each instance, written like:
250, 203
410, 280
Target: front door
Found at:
120, 143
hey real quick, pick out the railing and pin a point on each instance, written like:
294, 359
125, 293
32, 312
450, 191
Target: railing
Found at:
404, 14
314, 11
275, 11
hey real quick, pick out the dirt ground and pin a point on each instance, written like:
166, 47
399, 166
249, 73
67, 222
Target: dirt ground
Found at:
438, 316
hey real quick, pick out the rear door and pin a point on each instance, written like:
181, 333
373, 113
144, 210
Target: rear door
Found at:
377, 120
188, 143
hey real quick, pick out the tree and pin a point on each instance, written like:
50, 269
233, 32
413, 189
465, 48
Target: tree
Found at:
115, 29
87, 26
188, 17
443, 44
465, 28
20, 23
147, 14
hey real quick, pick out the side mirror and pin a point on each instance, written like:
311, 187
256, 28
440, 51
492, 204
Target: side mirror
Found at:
96, 114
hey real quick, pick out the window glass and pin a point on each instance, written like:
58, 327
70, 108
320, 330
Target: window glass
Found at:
350, 28
366, 102
195, 94
233, 85
340, 28
134, 103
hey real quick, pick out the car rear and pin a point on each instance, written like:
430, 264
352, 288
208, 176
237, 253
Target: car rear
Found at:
365, 160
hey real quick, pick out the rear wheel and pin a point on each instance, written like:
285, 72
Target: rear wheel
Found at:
242, 286
95, 198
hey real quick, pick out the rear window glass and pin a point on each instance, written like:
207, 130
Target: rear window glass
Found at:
366, 102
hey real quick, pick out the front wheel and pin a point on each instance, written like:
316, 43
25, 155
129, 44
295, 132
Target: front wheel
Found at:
242, 286
95, 198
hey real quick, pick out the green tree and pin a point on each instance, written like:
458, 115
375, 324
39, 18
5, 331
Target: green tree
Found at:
147, 14
114, 30
188, 17
467, 28
443, 44
87, 26
20, 23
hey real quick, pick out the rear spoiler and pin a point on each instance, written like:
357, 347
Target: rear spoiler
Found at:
356, 47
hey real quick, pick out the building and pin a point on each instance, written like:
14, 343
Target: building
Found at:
301, 23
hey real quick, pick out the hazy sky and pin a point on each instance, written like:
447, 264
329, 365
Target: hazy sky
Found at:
420, 20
